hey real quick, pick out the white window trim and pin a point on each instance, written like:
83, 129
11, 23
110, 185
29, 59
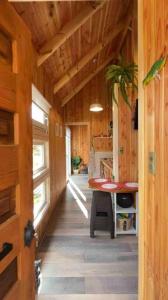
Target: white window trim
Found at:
43, 211
39, 99
43, 104
45, 167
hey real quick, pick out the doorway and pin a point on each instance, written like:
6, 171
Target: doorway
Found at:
68, 152
77, 146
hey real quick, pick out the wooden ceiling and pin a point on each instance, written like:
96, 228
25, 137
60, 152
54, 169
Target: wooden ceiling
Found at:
75, 39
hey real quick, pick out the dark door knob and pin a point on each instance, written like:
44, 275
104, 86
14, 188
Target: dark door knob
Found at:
29, 233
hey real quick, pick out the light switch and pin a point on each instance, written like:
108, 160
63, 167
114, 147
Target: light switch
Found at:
152, 162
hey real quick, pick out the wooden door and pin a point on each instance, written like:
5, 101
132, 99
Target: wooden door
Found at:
16, 204
153, 152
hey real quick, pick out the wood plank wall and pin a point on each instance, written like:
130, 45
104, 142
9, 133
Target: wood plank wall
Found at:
128, 142
56, 144
80, 142
127, 135
153, 249
77, 110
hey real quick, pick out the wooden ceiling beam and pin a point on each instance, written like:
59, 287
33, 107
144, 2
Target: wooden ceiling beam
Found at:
46, 0
105, 63
87, 79
127, 26
51, 46
88, 57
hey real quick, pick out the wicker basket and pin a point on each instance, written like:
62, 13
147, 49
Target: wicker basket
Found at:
124, 224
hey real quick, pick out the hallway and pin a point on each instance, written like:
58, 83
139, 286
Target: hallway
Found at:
75, 265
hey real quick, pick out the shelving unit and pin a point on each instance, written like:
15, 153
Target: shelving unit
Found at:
121, 210
130, 210
132, 230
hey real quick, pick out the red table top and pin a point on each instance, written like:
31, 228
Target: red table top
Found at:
108, 185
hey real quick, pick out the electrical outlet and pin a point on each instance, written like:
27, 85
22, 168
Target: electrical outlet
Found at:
152, 162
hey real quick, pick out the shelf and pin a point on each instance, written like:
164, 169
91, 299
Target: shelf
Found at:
125, 210
132, 230
131, 210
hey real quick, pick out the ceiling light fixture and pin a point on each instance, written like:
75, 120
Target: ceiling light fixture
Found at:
96, 107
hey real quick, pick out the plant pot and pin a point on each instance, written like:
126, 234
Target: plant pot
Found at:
75, 171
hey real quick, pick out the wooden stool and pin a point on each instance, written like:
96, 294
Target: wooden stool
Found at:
101, 213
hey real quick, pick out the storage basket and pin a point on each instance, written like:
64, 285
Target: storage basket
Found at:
124, 224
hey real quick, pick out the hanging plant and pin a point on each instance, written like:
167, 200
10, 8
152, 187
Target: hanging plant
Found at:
125, 75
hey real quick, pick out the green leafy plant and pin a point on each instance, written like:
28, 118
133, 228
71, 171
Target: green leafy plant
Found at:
76, 160
125, 75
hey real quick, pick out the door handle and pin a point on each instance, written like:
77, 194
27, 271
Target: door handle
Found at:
7, 247
28, 233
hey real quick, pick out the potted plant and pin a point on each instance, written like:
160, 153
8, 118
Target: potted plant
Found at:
125, 75
76, 160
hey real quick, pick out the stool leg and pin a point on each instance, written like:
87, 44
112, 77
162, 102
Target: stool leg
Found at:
92, 235
92, 227
112, 231
112, 234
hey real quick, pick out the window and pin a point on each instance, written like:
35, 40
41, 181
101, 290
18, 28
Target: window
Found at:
41, 175
37, 114
39, 157
39, 196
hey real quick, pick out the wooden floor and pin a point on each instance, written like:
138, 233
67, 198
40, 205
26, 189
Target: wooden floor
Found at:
76, 267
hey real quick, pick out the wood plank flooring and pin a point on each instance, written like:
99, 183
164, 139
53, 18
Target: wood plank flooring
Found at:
76, 267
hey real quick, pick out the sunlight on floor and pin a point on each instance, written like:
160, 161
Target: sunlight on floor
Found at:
78, 201
77, 189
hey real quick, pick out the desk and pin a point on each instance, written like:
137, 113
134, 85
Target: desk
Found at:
107, 185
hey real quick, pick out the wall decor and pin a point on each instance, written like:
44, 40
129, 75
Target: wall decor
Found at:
155, 70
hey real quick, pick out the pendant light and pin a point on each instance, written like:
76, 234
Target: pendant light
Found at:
96, 107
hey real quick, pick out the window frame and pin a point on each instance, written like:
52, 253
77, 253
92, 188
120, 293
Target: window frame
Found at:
41, 137
45, 195
45, 115
45, 166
